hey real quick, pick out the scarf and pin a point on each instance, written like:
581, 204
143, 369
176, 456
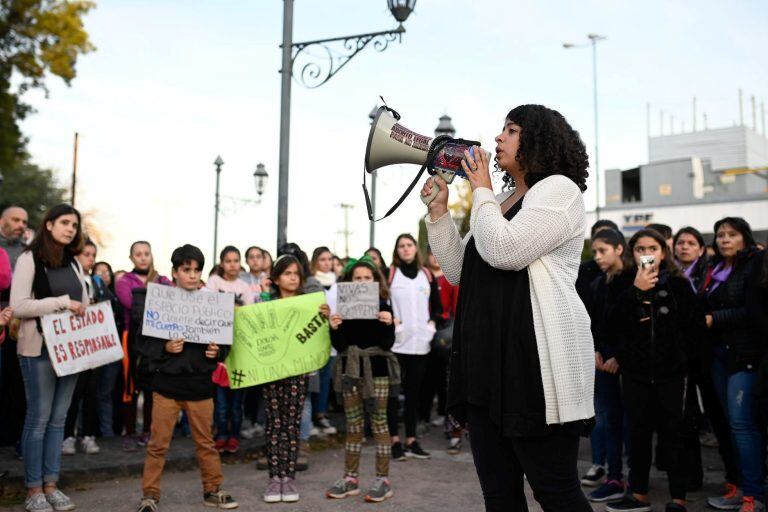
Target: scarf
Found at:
326, 278
140, 272
689, 272
409, 270
719, 275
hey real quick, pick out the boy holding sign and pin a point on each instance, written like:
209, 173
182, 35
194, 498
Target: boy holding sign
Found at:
182, 380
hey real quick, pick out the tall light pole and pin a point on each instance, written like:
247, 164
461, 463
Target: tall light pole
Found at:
218, 163
314, 74
372, 232
594, 39
346, 207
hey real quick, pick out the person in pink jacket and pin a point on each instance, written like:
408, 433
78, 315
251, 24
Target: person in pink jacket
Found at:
143, 272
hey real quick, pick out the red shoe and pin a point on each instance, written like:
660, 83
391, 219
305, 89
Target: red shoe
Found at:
220, 445
233, 445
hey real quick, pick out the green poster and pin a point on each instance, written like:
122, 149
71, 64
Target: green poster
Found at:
278, 339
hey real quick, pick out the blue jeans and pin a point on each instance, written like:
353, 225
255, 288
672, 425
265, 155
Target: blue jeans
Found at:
735, 394
306, 420
320, 399
48, 398
107, 381
609, 416
228, 412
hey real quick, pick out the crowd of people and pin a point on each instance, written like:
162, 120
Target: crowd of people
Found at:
381, 372
679, 328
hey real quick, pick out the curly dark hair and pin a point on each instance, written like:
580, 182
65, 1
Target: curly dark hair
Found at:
549, 146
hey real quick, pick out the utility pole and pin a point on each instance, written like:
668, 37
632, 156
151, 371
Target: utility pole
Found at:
346, 232
74, 171
218, 163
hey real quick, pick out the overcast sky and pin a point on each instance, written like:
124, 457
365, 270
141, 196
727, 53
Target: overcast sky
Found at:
175, 83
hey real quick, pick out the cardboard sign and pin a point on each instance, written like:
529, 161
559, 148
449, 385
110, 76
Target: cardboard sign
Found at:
278, 339
201, 316
358, 301
77, 343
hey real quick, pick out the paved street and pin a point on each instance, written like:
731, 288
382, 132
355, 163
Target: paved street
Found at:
445, 483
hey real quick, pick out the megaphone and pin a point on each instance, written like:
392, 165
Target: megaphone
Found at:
389, 143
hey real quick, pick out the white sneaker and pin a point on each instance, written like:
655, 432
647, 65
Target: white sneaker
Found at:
438, 421
326, 427
314, 432
89, 445
68, 446
254, 431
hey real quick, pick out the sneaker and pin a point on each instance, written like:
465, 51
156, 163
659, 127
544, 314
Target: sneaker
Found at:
344, 487
731, 500
219, 499
380, 490
594, 476
68, 446
314, 432
414, 450
750, 504
37, 503
708, 440
148, 504
628, 504
611, 490
129, 444
422, 429
273, 493
255, 431
289, 493
325, 426
262, 463
59, 501
397, 451
143, 439
302, 459
438, 421
89, 445
232, 446
220, 445
454, 445
674, 507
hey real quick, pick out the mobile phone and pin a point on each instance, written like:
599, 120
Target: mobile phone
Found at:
647, 260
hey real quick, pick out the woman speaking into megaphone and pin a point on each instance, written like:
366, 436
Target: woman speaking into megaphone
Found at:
522, 364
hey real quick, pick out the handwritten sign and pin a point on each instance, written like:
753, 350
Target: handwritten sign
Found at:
199, 317
78, 343
278, 339
357, 301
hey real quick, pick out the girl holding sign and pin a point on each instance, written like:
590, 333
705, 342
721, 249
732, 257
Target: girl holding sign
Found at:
285, 398
363, 374
47, 280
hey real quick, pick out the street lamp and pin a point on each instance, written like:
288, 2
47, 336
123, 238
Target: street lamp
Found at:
445, 127
260, 176
218, 163
314, 74
594, 39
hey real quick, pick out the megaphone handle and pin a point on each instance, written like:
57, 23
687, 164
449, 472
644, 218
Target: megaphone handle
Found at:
447, 178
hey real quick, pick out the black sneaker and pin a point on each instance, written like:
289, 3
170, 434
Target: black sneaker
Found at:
397, 451
628, 504
414, 450
675, 507
594, 476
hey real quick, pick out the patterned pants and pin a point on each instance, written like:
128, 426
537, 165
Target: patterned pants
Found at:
353, 407
284, 402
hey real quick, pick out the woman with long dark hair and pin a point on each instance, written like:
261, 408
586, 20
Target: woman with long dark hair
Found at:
737, 354
47, 279
691, 255
522, 368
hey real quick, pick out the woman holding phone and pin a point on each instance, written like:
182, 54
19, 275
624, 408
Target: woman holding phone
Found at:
522, 367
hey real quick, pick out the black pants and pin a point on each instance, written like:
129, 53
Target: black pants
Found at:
85, 394
435, 383
413, 370
657, 407
549, 463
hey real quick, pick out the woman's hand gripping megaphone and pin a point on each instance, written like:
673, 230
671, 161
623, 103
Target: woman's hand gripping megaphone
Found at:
435, 195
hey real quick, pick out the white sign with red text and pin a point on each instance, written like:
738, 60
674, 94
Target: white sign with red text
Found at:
77, 343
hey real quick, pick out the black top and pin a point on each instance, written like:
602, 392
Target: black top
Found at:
365, 334
603, 296
494, 357
64, 281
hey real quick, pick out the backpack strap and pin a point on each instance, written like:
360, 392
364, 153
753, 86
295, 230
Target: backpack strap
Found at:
391, 275
428, 273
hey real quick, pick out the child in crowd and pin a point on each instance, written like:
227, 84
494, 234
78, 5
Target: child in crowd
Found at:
181, 380
611, 256
363, 374
285, 398
255, 275
656, 324
229, 402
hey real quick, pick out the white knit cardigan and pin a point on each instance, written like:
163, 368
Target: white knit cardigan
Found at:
547, 236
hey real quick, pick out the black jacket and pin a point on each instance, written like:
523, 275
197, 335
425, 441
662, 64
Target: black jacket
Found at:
656, 331
731, 327
603, 296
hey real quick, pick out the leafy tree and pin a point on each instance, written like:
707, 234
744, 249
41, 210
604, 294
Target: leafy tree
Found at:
32, 188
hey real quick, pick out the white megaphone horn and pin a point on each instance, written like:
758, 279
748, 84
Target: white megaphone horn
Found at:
389, 143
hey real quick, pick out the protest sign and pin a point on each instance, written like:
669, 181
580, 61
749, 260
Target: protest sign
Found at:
356, 301
77, 343
278, 339
200, 316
